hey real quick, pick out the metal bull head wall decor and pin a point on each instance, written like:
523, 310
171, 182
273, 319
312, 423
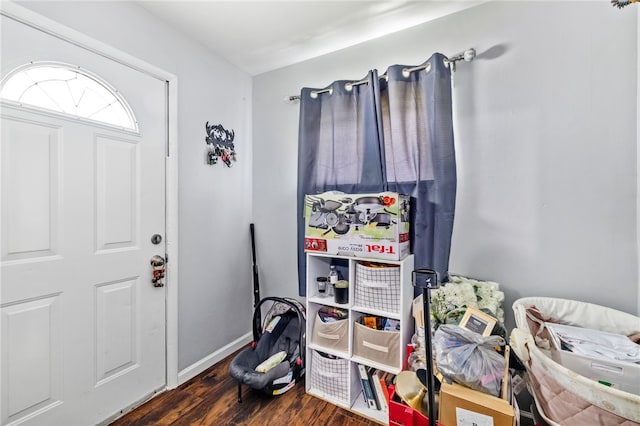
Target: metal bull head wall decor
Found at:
220, 142
622, 3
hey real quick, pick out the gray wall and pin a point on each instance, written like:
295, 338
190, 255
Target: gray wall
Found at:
215, 296
545, 126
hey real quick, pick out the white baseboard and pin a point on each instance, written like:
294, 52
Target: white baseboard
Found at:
198, 367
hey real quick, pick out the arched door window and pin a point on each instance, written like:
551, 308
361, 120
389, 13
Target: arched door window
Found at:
68, 90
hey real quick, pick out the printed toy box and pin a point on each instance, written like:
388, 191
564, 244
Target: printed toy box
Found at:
363, 225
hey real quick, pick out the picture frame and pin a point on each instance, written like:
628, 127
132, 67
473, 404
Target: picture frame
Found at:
477, 321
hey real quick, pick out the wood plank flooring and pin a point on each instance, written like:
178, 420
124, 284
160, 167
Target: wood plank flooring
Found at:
211, 399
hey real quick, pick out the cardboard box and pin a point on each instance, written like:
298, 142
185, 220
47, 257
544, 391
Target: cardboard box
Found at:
463, 406
621, 375
364, 225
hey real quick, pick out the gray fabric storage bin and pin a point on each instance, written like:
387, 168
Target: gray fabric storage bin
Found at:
377, 345
329, 377
333, 335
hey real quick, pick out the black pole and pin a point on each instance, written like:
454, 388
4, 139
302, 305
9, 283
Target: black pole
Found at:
256, 282
427, 337
430, 282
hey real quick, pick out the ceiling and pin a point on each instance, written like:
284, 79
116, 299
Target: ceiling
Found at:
260, 36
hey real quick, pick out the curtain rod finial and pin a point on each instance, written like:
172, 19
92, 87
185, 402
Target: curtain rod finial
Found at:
291, 98
469, 54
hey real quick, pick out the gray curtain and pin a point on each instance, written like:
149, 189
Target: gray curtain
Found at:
419, 154
338, 147
390, 134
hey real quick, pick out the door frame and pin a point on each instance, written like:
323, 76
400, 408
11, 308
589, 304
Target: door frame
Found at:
55, 29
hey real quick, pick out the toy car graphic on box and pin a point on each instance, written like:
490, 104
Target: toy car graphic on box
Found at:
363, 225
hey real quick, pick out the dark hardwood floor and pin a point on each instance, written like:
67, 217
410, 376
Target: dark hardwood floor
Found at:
211, 399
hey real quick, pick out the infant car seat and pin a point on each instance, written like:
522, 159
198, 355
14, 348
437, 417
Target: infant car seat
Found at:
279, 340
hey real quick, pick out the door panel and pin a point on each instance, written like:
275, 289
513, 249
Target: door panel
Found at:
30, 227
117, 345
31, 352
117, 167
83, 327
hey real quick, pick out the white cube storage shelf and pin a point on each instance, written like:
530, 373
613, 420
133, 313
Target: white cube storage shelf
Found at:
384, 292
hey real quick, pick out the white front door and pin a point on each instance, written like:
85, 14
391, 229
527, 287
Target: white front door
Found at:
82, 327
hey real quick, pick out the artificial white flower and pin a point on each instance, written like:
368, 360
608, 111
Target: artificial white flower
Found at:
449, 302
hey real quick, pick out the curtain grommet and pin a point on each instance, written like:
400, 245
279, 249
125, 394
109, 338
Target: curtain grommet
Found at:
314, 93
406, 72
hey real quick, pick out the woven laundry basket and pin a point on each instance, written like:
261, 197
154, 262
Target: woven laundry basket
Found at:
562, 396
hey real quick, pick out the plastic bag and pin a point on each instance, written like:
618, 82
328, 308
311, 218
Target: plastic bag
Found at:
469, 359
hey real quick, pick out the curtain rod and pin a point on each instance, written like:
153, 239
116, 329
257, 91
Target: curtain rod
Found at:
466, 56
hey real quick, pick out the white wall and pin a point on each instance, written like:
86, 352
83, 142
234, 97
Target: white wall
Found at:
638, 145
545, 126
215, 296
